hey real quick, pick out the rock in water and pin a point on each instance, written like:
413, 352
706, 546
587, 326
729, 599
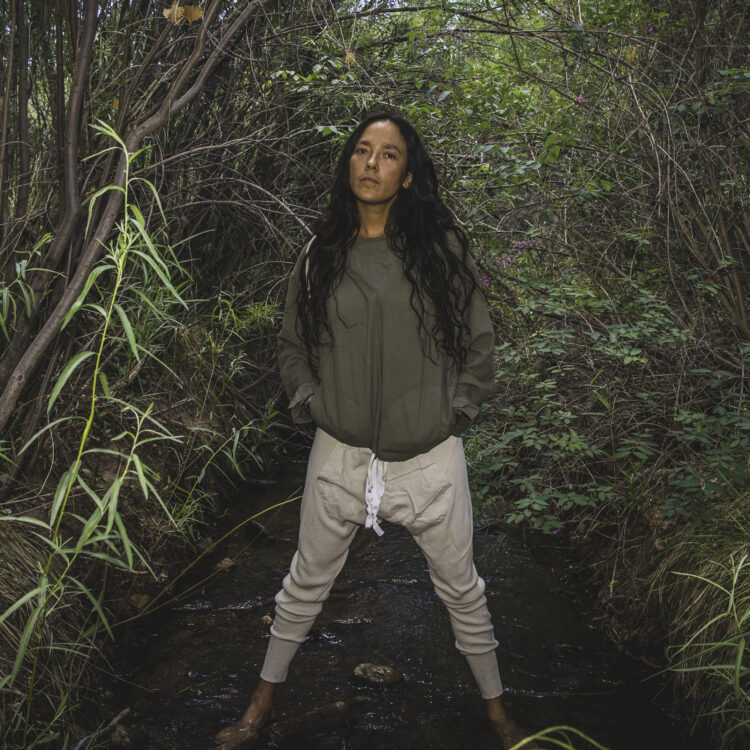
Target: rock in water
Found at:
376, 674
327, 718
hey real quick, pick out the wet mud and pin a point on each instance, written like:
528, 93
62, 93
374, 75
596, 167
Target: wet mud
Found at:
190, 668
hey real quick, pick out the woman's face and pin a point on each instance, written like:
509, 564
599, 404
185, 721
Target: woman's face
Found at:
377, 167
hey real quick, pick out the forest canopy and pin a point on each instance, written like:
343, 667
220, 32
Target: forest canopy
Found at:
161, 166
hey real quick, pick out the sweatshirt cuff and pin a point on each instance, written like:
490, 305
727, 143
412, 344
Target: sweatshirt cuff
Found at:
465, 406
464, 414
299, 406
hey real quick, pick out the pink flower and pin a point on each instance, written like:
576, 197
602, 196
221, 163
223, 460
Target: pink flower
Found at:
580, 97
485, 280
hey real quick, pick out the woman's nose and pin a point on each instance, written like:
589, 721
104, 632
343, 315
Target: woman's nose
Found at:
372, 161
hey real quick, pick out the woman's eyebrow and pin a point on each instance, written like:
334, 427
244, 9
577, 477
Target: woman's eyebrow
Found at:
385, 145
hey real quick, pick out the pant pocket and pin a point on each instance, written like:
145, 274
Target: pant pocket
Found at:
416, 495
337, 486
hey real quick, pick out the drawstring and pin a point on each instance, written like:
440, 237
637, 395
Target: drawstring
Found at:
374, 490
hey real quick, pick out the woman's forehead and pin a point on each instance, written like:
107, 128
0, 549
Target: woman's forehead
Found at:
384, 133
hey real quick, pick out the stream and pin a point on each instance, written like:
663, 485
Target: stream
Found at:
189, 669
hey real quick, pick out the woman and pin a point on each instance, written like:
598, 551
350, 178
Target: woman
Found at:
387, 346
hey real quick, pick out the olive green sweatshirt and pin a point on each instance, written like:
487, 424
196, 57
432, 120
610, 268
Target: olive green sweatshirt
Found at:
374, 386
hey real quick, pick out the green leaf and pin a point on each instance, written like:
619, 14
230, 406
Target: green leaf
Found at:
104, 384
141, 475
23, 643
90, 281
112, 507
42, 430
26, 297
20, 602
128, 330
64, 375
96, 604
152, 187
60, 494
127, 545
26, 519
158, 268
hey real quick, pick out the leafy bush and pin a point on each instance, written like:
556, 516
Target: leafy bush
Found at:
586, 412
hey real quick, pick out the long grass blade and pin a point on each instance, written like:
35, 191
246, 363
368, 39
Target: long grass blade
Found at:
128, 330
65, 375
95, 603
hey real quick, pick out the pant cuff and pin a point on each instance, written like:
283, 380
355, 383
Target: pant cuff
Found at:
279, 654
486, 673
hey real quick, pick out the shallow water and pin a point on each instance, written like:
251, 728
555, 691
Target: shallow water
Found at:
192, 666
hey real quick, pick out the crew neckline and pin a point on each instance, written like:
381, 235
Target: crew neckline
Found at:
379, 238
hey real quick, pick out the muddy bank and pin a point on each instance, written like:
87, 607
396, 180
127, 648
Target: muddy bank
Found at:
190, 668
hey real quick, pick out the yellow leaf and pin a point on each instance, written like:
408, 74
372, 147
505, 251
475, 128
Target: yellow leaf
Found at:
192, 12
116, 105
350, 59
175, 14
225, 564
139, 601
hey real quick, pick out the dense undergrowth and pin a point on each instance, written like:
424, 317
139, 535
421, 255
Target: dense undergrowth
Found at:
597, 153
138, 472
587, 434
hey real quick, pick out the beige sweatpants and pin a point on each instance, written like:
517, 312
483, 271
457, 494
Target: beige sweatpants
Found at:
429, 495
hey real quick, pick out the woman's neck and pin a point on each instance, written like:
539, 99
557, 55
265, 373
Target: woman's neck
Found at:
372, 220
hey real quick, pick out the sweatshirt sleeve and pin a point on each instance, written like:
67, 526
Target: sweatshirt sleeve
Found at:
476, 377
298, 377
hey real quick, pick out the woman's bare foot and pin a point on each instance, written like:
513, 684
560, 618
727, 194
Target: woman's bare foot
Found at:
253, 720
504, 727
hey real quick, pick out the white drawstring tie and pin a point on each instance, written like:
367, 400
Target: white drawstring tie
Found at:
374, 490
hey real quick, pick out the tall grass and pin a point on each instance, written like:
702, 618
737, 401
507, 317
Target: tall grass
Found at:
567, 738
711, 636
83, 523
58, 556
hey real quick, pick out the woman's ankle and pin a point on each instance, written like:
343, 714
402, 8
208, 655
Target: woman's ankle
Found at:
495, 709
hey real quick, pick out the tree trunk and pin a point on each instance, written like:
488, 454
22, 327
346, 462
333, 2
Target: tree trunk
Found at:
19, 373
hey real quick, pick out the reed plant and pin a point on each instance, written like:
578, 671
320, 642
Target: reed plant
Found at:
110, 444
708, 598
565, 737
82, 527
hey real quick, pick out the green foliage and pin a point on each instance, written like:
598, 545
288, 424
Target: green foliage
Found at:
567, 738
130, 300
718, 649
585, 414
595, 151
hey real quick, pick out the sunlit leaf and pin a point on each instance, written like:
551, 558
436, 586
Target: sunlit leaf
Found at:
175, 14
192, 12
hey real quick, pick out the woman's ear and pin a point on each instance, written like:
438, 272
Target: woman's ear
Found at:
407, 181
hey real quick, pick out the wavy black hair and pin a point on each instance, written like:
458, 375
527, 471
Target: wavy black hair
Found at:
418, 229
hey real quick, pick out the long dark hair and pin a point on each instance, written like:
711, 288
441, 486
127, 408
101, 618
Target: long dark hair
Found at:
419, 230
